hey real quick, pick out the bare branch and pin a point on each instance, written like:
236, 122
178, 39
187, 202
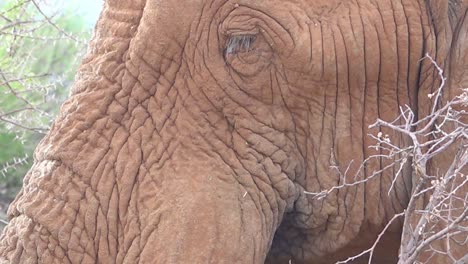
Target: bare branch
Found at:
430, 136
371, 250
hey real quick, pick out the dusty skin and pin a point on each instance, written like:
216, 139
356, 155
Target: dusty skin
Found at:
194, 128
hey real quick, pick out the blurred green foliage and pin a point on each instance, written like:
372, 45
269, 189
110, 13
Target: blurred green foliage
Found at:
40, 49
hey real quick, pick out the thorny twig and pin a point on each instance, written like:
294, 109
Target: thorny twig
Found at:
26, 90
46, 17
14, 164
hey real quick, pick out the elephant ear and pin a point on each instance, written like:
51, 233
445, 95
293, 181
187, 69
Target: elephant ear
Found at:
446, 13
445, 42
450, 31
459, 52
449, 50
447, 46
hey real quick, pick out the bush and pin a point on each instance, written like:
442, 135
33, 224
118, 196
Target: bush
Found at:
41, 45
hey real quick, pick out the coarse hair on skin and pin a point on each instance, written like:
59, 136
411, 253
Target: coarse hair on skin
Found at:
239, 43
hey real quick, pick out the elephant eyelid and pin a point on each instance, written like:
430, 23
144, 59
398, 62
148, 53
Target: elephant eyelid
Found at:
239, 43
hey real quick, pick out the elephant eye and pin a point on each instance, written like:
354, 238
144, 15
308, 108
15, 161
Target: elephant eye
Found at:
239, 43
247, 54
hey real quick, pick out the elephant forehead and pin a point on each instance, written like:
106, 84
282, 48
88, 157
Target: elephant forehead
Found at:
170, 18
167, 26
166, 22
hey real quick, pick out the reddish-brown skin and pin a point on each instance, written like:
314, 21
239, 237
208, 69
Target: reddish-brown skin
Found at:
171, 150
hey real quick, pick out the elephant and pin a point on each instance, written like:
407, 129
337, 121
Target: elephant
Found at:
195, 130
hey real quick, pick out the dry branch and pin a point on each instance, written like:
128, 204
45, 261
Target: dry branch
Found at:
443, 128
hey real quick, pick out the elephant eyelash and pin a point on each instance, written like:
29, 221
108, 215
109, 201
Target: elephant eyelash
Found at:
239, 43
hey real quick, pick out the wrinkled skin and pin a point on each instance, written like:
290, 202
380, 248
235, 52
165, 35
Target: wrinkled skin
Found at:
174, 148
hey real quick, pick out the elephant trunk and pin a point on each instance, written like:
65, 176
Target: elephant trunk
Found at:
202, 217
182, 213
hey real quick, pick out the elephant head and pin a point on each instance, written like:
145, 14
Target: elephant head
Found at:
194, 129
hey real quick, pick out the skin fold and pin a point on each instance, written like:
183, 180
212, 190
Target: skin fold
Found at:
194, 128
